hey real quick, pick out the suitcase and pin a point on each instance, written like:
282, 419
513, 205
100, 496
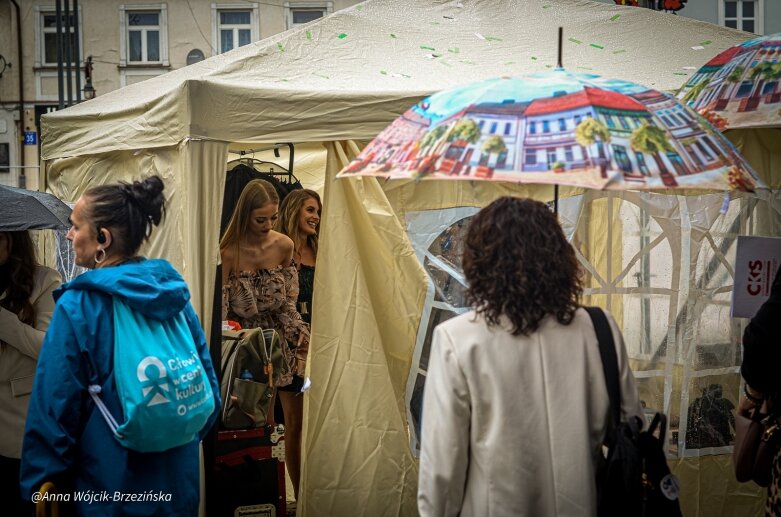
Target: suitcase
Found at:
249, 473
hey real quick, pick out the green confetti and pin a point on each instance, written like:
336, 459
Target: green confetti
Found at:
614, 18
342, 36
545, 6
534, 58
679, 73
320, 75
619, 51
509, 63
281, 47
309, 35
393, 36
585, 68
434, 23
706, 42
492, 38
573, 40
454, 50
383, 72
359, 8
548, 66
600, 47
426, 47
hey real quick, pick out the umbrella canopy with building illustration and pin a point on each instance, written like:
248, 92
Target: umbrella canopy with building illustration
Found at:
741, 87
557, 128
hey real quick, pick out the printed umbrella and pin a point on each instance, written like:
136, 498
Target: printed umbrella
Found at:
22, 209
557, 128
741, 87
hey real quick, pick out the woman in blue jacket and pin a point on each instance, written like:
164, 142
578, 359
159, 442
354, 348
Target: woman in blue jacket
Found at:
66, 439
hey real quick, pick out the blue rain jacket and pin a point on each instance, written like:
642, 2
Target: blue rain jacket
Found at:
66, 439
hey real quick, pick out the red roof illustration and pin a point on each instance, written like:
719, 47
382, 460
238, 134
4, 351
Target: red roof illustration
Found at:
723, 58
588, 97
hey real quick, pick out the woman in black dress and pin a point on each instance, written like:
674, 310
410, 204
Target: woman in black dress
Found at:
300, 220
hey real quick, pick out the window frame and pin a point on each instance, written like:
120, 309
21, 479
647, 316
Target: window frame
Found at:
124, 36
40, 36
254, 22
326, 6
759, 11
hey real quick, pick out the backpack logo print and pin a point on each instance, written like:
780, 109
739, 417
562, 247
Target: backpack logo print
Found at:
154, 384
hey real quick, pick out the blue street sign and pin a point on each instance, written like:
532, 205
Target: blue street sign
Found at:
30, 138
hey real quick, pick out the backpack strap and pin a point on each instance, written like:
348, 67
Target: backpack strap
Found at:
607, 351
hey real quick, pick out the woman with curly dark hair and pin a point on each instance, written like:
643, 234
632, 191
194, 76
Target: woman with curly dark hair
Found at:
26, 306
515, 405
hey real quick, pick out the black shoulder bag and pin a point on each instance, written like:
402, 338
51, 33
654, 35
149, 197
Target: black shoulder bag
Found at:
634, 478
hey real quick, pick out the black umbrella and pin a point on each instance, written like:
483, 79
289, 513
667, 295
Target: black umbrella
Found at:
22, 209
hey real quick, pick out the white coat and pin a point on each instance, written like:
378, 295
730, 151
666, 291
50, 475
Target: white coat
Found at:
19, 351
513, 425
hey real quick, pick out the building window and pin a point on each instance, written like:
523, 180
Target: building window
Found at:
551, 152
568, 156
235, 29
480, 125
532, 128
531, 157
143, 35
507, 128
49, 47
623, 122
299, 13
641, 163
578, 119
545, 126
234, 25
194, 56
562, 125
745, 15
493, 128
5, 157
46, 37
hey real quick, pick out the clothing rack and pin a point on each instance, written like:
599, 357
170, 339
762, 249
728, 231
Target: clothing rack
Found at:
288, 174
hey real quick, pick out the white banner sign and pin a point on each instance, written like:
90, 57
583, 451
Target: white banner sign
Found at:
756, 263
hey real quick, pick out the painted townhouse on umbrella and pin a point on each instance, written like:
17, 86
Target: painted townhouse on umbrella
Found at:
740, 79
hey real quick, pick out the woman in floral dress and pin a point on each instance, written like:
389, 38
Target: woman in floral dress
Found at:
260, 290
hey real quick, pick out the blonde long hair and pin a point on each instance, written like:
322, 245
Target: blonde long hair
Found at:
257, 194
289, 214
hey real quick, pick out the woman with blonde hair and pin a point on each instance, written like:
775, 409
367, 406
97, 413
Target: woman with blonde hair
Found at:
260, 290
299, 220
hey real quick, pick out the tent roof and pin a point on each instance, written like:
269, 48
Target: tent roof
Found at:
349, 75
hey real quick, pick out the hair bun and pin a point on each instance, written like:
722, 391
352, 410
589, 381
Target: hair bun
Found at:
148, 196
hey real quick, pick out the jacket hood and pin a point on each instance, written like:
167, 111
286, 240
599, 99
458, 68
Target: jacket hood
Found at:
150, 286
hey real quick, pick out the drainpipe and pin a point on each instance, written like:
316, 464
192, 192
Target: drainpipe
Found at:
21, 82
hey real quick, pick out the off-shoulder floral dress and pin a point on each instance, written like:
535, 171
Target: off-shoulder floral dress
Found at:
266, 299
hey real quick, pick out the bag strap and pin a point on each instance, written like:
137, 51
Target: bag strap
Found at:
607, 351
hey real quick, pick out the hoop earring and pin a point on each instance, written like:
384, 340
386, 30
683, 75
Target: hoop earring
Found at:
102, 254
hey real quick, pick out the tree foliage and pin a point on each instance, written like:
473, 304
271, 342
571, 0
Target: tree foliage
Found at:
650, 140
432, 136
494, 144
591, 130
465, 129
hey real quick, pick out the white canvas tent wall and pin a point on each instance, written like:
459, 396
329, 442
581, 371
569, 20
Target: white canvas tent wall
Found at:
336, 81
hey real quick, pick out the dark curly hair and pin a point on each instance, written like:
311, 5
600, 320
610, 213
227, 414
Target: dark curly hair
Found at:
517, 262
129, 209
21, 277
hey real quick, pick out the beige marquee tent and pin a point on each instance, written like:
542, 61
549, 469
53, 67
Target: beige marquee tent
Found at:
341, 80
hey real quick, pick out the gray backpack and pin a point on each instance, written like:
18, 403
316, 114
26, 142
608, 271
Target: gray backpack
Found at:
253, 364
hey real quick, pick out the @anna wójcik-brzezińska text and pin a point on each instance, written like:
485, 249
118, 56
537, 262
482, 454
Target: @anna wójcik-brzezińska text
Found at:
102, 496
